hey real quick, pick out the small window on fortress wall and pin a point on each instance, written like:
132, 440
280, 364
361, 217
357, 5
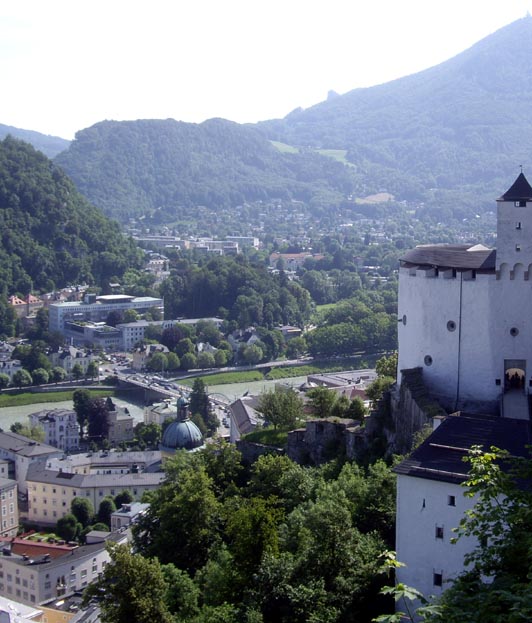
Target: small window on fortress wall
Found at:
514, 331
428, 360
518, 225
520, 204
451, 325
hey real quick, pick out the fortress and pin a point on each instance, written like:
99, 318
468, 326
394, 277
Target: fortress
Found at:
465, 338
463, 314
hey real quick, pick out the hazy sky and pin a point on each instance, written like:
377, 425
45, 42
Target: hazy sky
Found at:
67, 64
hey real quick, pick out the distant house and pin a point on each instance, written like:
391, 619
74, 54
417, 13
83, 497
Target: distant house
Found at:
142, 355
292, 261
121, 424
243, 417
27, 307
9, 366
127, 514
61, 428
69, 356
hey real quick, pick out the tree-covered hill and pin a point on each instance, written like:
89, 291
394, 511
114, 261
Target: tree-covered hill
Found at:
49, 145
463, 126
129, 167
49, 234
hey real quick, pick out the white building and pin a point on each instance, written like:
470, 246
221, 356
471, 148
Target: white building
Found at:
463, 313
464, 321
430, 497
9, 518
58, 571
21, 452
61, 428
97, 308
52, 485
127, 514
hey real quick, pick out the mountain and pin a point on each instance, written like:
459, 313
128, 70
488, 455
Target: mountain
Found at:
129, 167
49, 234
49, 145
447, 139
464, 125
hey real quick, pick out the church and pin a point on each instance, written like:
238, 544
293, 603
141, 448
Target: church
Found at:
464, 324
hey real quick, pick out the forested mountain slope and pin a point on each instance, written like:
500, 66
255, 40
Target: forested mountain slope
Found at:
49, 145
464, 125
49, 234
130, 167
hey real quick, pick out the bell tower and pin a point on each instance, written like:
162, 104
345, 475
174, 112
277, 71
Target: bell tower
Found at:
514, 227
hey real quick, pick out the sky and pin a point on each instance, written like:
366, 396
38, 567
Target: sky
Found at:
67, 64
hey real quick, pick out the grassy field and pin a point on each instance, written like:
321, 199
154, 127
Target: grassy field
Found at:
27, 398
284, 148
268, 437
336, 154
245, 376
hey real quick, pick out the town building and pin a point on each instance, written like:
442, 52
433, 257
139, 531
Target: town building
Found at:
60, 426
53, 484
97, 309
67, 357
121, 424
9, 517
127, 514
33, 576
21, 452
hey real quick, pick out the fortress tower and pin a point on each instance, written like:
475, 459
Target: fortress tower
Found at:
464, 314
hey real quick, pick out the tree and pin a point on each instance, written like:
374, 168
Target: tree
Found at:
172, 361
98, 419
150, 433
496, 586
4, 380
82, 510
199, 400
68, 527
221, 358
387, 366
182, 594
105, 510
357, 409
57, 374
321, 401
296, 347
40, 376
31, 432
281, 408
376, 390
130, 315
250, 354
22, 378
93, 370
157, 363
206, 360
130, 588
124, 497
77, 372
180, 526
81, 399
188, 361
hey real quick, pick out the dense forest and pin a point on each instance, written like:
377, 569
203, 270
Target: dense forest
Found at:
275, 542
129, 168
51, 235
49, 145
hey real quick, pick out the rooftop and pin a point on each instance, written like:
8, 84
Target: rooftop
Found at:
440, 457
